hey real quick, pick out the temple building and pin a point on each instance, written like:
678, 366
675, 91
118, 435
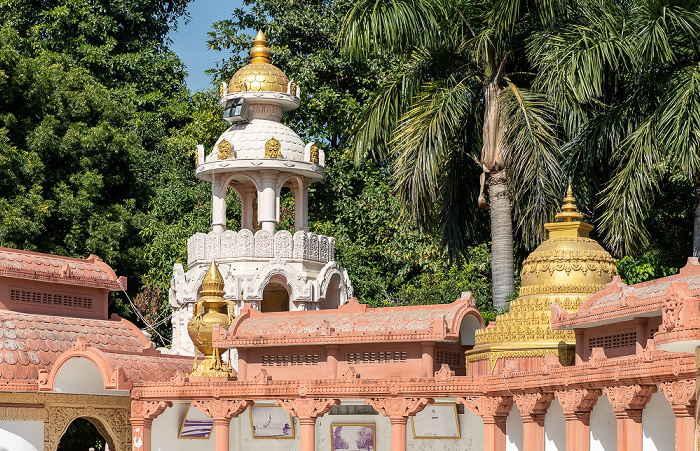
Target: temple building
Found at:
281, 356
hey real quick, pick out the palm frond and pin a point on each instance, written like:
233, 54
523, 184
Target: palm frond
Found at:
387, 26
532, 159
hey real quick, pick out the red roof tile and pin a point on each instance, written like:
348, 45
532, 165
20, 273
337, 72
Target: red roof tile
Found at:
90, 272
620, 302
350, 323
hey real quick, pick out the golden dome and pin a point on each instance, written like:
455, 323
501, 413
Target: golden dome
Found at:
566, 269
260, 74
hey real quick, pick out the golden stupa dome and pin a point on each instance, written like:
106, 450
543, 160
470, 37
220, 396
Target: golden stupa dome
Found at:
260, 74
569, 261
566, 269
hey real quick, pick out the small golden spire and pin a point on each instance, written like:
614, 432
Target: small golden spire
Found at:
260, 52
569, 208
213, 283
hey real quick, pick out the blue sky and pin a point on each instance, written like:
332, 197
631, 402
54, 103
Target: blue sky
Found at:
190, 40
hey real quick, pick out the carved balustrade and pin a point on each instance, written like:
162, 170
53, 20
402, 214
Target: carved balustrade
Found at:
261, 244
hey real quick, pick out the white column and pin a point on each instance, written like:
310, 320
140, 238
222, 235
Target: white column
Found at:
218, 203
301, 206
267, 202
247, 195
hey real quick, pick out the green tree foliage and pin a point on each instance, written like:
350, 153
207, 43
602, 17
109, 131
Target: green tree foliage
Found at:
88, 95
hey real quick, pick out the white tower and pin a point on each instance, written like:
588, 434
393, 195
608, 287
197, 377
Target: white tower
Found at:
257, 157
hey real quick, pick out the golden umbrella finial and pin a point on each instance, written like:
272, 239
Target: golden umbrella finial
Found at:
569, 211
213, 283
260, 52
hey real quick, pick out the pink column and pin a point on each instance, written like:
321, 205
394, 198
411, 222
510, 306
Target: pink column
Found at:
307, 410
577, 405
628, 401
428, 351
493, 411
142, 415
681, 395
532, 407
242, 364
222, 410
580, 347
332, 360
398, 410
640, 324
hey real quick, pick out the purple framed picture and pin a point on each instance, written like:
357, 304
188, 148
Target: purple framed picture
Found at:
353, 437
271, 422
195, 424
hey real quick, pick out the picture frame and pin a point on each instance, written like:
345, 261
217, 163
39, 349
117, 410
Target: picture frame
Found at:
353, 436
439, 421
195, 424
271, 422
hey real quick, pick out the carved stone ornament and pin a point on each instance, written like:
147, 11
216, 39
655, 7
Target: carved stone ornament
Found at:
273, 149
444, 374
488, 406
398, 407
629, 397
222, 409
530, 404
577, 400
148, 410
262, 377
224, 150
308, 407
679, 393
350, 375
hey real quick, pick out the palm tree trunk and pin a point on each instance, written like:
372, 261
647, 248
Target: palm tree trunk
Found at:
502, 267
696, 218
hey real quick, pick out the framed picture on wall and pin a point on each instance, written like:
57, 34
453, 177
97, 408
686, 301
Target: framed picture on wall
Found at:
271, 422
355, 437
436, 421
195, 424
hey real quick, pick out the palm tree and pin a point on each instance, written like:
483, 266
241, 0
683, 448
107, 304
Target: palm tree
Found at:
625, 78
457, 115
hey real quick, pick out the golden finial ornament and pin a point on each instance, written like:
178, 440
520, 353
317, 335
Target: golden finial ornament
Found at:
211, 309
569, 211
260, 53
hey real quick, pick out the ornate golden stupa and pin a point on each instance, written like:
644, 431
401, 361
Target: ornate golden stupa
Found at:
260, 74
566, 269
211, 309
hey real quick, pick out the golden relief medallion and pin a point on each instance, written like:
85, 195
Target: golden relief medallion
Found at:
224, 150
273, 149
313, 154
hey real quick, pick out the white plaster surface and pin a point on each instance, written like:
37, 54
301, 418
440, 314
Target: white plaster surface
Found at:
166, 428
554, 428
603, 426
80, 375
21, 435
514, 430
658, 424
241, 436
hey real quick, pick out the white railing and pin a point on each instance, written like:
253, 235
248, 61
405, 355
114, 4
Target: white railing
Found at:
244, 244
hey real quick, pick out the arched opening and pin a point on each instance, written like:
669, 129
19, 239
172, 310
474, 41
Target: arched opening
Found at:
333, 294
275, 296
83, 434
286, 209
469, 325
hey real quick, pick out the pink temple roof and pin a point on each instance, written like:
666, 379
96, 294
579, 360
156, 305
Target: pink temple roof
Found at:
620, 302
350, 323
89, 272
31, 344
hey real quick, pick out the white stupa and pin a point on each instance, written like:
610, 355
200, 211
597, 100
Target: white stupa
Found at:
257, 157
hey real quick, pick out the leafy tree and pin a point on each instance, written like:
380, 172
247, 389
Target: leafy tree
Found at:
338, 441
624, 77
458, 106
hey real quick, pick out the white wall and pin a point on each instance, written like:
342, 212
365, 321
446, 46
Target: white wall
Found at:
80, 375
658, 424
514, 430
21, 435
166, 428
554, 428
603, 426
241, 435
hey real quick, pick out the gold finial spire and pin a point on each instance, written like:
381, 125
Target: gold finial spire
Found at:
569, 213
260, 52
213, 283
